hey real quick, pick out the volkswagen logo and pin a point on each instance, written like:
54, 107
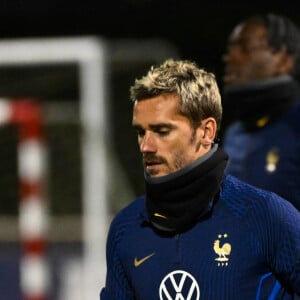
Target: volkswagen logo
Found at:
179, 285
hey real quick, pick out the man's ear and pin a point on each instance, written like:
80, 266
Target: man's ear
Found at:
208, 131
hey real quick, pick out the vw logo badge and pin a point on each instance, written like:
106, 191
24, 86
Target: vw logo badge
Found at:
179, 285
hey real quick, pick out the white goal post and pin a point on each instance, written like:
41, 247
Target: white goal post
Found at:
90, 55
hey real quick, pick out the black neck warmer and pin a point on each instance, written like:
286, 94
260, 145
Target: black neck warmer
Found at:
175, 202
260, 99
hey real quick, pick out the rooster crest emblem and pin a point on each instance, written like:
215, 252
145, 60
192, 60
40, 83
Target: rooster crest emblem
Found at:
222, 251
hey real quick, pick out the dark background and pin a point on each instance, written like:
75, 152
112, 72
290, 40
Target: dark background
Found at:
197, 29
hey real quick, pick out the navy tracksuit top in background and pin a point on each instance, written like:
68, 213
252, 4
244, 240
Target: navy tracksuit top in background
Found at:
268, 158
247, 249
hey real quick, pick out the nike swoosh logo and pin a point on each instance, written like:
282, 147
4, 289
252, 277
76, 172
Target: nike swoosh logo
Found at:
138, 262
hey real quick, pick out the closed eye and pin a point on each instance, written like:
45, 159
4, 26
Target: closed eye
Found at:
163, 132
162, 129
158, 129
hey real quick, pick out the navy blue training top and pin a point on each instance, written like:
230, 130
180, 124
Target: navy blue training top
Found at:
268, 158
249, 248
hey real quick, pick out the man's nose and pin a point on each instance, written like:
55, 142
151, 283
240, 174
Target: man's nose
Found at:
147, 143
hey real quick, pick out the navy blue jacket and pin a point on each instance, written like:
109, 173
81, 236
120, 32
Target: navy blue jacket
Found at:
248, 248
268, 158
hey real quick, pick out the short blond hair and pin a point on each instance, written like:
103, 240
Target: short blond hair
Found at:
198, 90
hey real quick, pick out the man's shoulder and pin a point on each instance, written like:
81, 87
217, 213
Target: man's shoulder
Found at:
243, 198
136, 206
131, 213
233, 185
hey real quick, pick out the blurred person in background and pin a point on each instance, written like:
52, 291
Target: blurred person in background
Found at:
196, 231
261, 93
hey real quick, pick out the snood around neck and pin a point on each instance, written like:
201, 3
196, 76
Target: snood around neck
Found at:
265, 98
175, 202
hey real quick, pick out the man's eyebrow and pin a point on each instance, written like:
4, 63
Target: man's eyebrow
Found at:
161, 125
154, 127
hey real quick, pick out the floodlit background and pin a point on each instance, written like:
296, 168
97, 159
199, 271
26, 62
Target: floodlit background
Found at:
76, 61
